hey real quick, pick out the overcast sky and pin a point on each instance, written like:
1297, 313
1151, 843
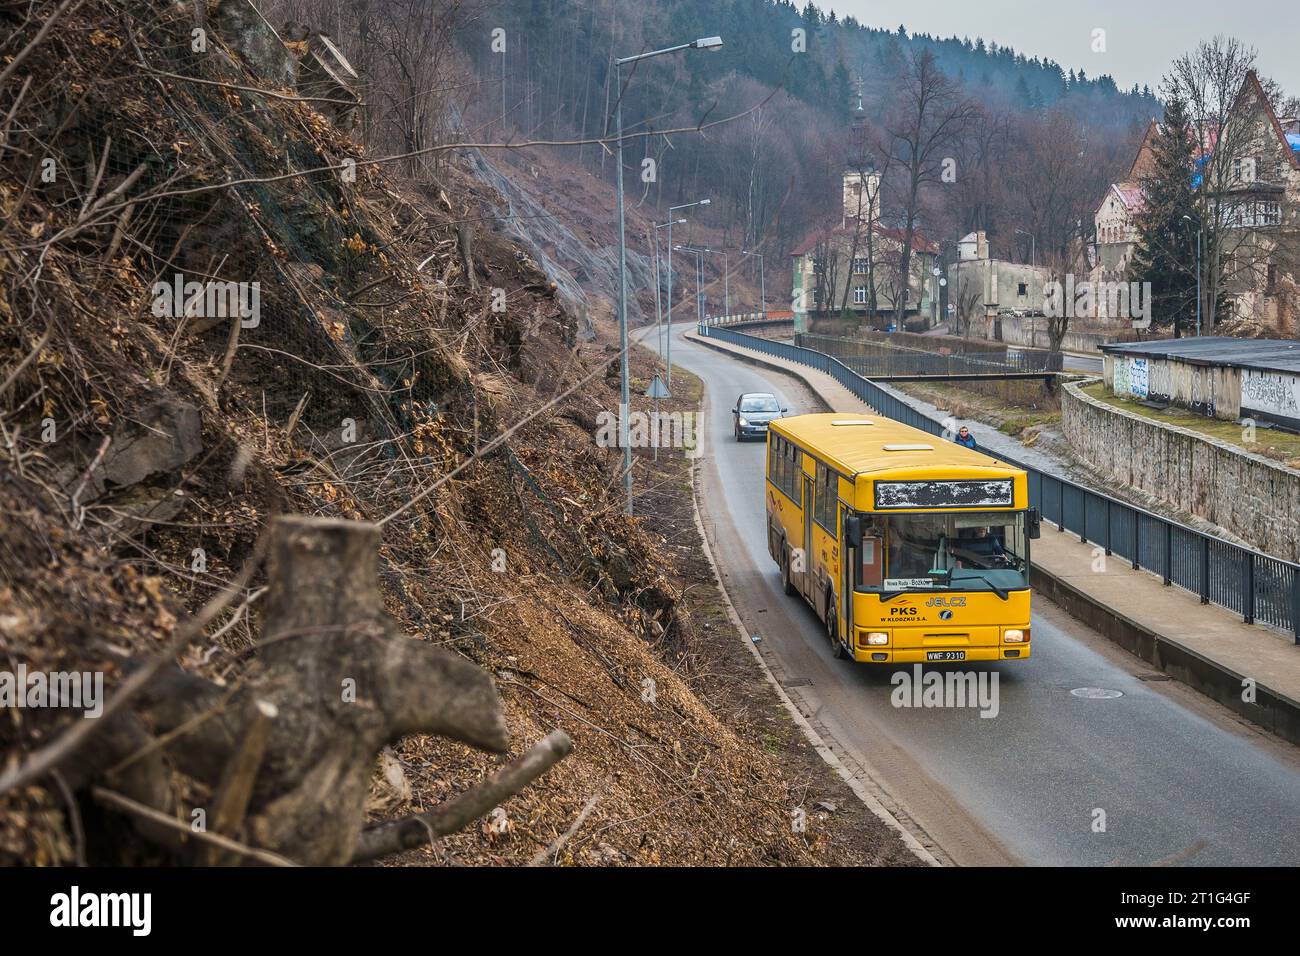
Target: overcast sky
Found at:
1142, 36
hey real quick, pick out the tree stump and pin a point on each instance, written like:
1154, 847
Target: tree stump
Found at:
342, 683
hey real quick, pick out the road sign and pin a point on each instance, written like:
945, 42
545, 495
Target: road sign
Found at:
658, 389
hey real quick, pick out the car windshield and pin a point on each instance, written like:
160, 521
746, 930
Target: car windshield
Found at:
759, 403
960, 551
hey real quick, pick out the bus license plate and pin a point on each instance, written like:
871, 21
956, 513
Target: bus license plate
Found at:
945, 655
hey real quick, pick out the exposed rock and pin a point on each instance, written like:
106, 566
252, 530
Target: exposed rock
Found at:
162, 437
256, 42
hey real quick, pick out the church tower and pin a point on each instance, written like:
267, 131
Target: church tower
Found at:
861, 179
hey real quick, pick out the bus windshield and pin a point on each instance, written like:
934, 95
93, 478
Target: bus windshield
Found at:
956, 551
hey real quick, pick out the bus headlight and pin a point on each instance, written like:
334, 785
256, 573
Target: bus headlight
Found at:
877, 638
1014, 635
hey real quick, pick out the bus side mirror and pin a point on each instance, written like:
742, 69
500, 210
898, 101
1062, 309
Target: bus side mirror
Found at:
1034, 523
853, 531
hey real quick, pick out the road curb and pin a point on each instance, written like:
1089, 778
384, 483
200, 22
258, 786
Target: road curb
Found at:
879, 810
1273, 711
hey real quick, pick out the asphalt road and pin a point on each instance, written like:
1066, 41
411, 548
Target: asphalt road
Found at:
1081, 363
1179, 779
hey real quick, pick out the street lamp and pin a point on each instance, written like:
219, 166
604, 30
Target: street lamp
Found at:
625, 405
726, 276
668, 358
1033, 257
762, 281
699, 279
1198, 273
659, 335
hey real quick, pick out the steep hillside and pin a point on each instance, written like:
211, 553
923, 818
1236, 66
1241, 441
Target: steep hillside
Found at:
145, 449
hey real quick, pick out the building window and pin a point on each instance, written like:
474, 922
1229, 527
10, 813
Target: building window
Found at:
860, 266
1243, 170
859, 295
1022, 289
1271, 280
1258, 212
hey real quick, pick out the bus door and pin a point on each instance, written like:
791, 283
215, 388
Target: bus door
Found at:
848, 554
807, 585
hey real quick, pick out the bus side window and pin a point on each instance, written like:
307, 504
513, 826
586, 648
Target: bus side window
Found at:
873, 562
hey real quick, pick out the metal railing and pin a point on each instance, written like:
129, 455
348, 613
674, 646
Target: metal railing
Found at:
1261, 588
869, 356
742, 320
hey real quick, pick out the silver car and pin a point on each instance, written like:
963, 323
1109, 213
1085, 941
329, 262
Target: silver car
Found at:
752, 413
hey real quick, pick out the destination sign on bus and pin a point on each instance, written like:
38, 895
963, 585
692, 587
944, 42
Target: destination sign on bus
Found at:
977, 493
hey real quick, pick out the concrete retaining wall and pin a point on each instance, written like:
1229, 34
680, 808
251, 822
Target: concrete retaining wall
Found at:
1017, 331
1251, 496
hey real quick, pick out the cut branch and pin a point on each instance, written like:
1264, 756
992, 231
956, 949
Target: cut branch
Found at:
463, 809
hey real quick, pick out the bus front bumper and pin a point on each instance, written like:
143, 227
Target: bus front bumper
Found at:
928, 655
922, 645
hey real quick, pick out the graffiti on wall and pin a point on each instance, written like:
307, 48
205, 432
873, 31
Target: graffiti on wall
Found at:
1138, 377
1131, 376
1159, 381
1121, 384
1271, 395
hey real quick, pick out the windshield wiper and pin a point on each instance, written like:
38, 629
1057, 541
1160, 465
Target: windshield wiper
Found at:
979, 577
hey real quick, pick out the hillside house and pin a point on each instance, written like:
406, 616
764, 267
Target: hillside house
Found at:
1259, 200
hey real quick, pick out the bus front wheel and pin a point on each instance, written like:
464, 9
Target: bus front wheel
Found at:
833, 631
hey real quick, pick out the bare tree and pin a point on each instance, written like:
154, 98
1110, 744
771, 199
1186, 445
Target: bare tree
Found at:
1210, 80
929, 119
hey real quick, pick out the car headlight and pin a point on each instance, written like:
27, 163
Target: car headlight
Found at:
744, 423
877, 637
1014, 635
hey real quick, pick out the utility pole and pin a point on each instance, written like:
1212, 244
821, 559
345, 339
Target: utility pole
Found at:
625, 398
658, 313
1198, 273
668, 358
762, 282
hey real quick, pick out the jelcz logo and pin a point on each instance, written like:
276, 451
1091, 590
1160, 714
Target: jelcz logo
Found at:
945, 615
103, 909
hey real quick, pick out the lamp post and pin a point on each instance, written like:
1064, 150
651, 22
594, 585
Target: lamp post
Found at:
699, 278
762, 282
726, 286
668, 358
658, 312
1198, 273
625, 403
1033, 257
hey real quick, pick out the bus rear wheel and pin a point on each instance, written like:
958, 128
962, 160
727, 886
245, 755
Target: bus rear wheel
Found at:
786, 583
833, 630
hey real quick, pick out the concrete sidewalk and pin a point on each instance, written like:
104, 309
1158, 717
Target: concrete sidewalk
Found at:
1204, 646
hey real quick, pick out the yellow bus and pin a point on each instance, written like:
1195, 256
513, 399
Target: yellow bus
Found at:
910, 548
